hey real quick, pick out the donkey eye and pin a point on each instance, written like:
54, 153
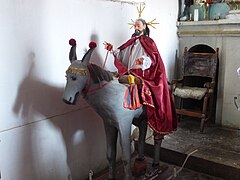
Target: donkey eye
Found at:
73, 78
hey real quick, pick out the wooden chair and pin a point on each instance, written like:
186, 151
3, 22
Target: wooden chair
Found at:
195, 92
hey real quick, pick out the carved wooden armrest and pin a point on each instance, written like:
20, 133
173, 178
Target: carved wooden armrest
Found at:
209, 85
175, 82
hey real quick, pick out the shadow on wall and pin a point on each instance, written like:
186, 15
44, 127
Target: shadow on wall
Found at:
38, 98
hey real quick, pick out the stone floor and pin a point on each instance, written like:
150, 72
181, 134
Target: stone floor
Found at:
168, 174
216, 151
215, 154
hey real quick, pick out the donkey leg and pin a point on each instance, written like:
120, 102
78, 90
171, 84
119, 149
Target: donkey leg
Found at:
125, 142
111, 137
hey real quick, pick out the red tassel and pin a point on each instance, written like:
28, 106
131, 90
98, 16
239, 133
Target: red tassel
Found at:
131, 98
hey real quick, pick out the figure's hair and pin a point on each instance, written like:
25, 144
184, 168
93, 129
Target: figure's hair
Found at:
146, 30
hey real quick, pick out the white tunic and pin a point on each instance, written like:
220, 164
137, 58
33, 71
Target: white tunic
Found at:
130, 54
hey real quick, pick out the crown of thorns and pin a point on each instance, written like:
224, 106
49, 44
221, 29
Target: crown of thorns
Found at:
140, 10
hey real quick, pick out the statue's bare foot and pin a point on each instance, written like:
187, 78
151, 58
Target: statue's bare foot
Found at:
155, 170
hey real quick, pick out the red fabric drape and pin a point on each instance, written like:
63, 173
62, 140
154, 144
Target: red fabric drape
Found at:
155, 91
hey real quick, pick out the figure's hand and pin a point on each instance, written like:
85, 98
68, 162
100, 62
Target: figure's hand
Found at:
115, 74
139, 61
108, 46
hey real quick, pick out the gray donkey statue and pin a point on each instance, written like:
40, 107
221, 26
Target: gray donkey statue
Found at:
105, 95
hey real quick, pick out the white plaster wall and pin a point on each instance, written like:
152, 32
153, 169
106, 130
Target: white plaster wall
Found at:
42, 138
231, 89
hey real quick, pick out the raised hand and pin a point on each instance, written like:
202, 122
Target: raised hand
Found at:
108, 46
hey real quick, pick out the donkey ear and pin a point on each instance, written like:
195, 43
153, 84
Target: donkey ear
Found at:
87, 56
72, 53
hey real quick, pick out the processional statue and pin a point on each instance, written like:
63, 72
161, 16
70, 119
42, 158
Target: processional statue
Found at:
137, 94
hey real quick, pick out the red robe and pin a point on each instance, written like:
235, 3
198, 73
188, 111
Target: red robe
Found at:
155, 92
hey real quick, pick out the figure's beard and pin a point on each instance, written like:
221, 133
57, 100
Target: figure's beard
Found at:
137, 33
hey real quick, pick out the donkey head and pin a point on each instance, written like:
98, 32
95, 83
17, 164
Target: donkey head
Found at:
77, 73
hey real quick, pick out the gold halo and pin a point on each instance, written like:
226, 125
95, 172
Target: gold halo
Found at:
140, 11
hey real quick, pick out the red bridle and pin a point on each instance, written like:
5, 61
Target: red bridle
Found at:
88, 90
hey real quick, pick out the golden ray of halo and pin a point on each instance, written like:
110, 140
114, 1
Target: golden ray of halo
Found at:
140, 11
152, 23
131, 23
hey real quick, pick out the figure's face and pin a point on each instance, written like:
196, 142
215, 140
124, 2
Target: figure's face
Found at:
139, 28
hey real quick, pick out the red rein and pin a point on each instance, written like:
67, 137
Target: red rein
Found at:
88, 90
